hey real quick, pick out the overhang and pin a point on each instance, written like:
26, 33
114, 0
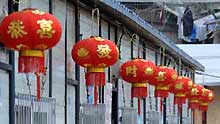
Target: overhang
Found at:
144, 29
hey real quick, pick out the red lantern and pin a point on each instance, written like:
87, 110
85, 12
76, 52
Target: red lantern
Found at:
138, 72
180, 88
95, 54
206, 97
164, 78
194, 95
30, 32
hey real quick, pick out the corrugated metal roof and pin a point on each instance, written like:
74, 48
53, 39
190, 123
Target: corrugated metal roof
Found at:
143, 28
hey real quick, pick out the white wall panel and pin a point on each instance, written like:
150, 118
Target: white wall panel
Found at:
4, 97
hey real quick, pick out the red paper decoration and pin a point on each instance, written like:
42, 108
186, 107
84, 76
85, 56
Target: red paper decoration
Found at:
181, 87
206, 97
194, 95
30, 32
95, 54
138, 72
164, 78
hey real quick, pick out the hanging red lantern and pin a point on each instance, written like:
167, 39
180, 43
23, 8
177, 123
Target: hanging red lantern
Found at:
164, 78
95, 54
206, 97
194, 95
181, 87
30, 32
138, 72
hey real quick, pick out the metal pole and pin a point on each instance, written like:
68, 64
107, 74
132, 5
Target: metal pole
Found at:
50, 58
156, 62
116, 82
132, 57
144, 99
181, 114
77, 68
144, 110
164, 110
164, 62
66, 25
12, 7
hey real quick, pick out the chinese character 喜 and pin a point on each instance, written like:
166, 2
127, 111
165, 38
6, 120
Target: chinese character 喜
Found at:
45, 30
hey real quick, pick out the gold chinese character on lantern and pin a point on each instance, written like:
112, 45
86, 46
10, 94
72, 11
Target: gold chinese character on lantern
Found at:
179, 86
210, 96
20, 46
161, 76
104, 51
16, 29
131, 70
148, 71
190, 84
203, 92
45, 30
174, 76
82, 52
194, 91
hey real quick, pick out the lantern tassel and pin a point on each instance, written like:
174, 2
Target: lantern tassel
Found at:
139, 106
95, 95
179, 100
161, 93
203, 107
161, 104
95, 76
30, 61
139, 90
38, 86
179, 108
193, 105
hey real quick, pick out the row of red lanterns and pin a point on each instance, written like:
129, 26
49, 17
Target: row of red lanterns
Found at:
31, 31
139, 72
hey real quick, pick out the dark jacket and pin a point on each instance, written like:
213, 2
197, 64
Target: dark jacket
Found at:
187, 22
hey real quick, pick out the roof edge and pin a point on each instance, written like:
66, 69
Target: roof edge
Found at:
132, 19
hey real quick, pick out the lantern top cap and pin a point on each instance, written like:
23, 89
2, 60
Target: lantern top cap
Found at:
135, 58
25, 9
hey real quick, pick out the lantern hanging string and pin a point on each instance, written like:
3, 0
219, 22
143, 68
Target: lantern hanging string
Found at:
179, 106
119, 42
174, 61
134, 40
28, 83
96, 10
17, 1
180, 67
163, 55
123, 92
44, 76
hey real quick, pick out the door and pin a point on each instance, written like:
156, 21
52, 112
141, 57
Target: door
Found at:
70, 104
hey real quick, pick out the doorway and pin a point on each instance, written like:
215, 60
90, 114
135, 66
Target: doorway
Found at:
71, 104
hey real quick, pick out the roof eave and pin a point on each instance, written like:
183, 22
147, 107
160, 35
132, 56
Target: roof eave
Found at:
146, 30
